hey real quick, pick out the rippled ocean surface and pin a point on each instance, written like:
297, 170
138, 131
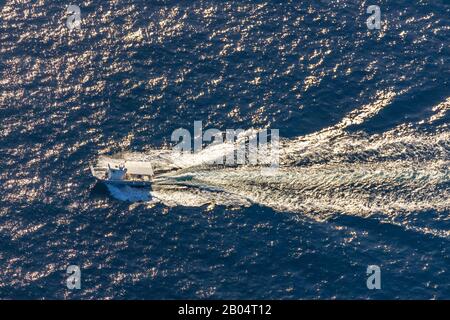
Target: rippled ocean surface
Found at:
364, 120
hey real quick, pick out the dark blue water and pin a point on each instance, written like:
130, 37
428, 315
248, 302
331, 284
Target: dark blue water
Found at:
137, 70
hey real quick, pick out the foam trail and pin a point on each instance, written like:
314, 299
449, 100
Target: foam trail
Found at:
359, 189
393, 174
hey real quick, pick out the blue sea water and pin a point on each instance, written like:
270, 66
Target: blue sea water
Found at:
349, 103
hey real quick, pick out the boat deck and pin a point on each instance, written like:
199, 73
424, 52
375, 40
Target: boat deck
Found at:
137, 173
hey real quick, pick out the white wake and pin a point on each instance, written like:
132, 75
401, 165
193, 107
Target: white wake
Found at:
395, 173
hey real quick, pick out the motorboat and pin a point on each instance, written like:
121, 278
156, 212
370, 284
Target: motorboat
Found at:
130, 173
